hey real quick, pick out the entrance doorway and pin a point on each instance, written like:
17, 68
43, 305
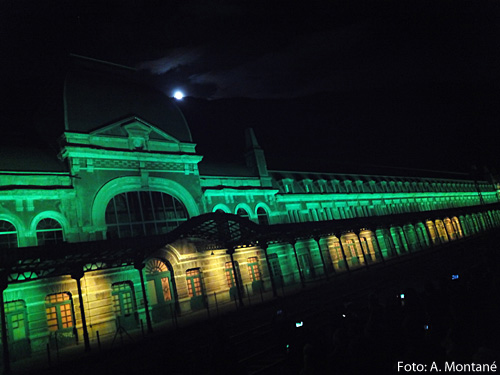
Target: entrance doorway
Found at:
160, 289
306, 265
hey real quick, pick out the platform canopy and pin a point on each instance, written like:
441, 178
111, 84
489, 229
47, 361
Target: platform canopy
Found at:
209, 231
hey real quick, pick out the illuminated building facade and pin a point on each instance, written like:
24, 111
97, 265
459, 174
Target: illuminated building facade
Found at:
128, 219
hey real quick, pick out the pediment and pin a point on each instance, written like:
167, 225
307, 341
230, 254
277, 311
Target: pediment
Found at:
134, 128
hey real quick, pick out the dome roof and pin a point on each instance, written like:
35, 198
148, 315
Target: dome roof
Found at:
93, 99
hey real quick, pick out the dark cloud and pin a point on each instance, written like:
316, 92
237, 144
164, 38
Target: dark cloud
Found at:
296, 56
257, 49
410, 70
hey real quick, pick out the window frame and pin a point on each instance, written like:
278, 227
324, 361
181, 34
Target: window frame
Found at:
121, 293
143, 212
194, 282
56, 305
254, 269
10, 232
246, 215
157, 271
265, 215
40, 233
15, 312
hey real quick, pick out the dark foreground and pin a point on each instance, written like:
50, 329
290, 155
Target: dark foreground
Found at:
351, 324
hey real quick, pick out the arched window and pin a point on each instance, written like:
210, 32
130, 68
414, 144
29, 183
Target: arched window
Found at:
141, 213
8, 235
262, 216
49, 232
243, 213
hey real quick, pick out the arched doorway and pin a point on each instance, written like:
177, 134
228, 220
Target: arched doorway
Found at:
336, 253
369, 245
161, 289
441, 230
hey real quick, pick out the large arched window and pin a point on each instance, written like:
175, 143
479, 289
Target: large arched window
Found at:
8, 235
49, 232
262, 216
141, 213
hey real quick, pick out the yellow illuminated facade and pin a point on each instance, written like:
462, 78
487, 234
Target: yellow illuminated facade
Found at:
127, 167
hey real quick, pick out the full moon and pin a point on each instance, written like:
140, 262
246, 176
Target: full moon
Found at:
178, 95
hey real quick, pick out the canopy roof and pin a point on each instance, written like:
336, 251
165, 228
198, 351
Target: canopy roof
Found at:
208, 231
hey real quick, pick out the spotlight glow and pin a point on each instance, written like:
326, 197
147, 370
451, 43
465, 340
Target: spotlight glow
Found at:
178, 95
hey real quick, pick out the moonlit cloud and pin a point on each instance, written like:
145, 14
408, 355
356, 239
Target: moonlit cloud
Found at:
176, 58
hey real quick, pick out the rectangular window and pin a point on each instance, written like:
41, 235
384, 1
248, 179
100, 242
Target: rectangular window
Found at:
230, 274
275, 266
351, 246
165, 285
17, 323
58, 308
193, 278
253, 269
15, 316
123, 300
336, 252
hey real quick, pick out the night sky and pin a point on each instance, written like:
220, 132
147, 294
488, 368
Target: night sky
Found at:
322, 82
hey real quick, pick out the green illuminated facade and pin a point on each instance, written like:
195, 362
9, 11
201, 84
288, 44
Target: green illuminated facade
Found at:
127, 167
